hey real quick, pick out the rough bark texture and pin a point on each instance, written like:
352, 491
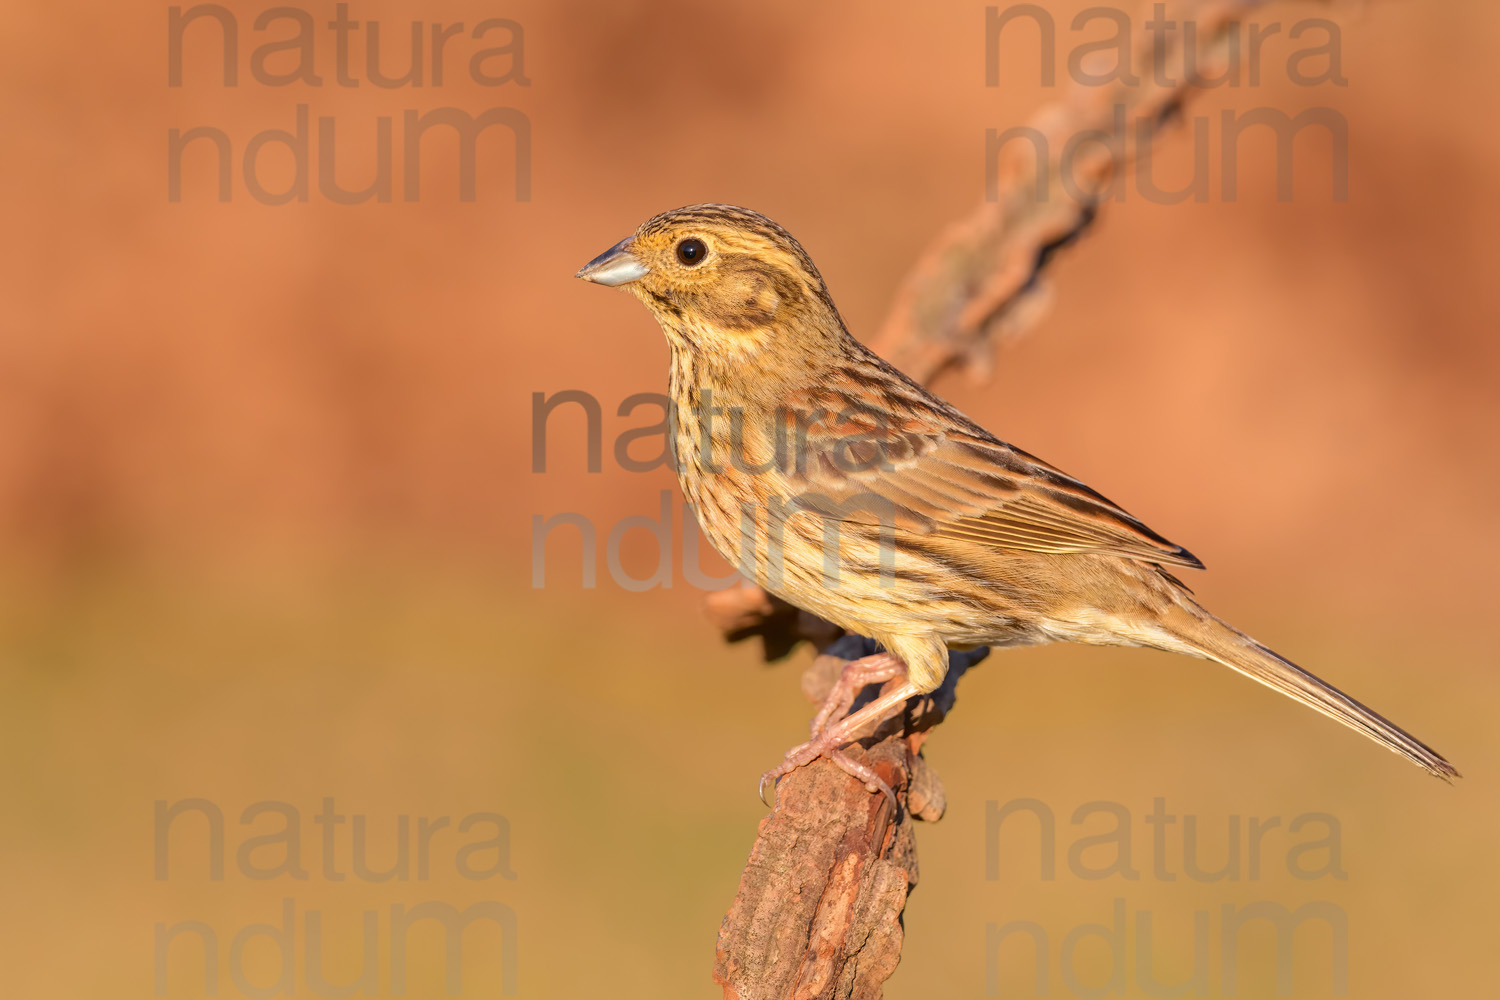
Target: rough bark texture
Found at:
818, 912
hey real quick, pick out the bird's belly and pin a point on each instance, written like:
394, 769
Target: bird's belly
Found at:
866, 580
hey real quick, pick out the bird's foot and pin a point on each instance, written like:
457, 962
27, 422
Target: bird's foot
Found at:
857, 674
822, 747
832, 739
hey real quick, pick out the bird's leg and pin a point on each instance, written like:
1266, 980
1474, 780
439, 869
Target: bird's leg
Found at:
876, 669
830, 742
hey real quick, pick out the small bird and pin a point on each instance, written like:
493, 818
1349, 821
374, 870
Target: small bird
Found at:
848, 490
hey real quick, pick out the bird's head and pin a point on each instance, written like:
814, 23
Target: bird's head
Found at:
720, 279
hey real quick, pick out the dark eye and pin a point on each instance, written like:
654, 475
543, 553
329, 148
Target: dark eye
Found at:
691, 251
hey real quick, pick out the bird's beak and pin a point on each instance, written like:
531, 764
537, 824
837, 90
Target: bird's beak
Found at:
615, 266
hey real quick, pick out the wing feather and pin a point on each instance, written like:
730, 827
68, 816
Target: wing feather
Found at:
945, 475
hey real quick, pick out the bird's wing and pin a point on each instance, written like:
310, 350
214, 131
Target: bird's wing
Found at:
902, 457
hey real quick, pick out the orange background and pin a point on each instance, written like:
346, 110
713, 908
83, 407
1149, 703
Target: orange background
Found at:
266, 499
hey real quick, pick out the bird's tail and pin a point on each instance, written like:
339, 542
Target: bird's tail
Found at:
1204, 635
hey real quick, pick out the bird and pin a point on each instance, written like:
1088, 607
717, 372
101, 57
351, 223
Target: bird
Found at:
842, 486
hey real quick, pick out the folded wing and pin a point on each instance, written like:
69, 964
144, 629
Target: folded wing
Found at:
917, 461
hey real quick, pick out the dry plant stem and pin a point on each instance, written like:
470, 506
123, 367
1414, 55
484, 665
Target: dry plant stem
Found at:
978, 283
819, 904
818, 912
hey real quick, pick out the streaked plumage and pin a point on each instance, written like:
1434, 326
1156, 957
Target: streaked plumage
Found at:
787, 427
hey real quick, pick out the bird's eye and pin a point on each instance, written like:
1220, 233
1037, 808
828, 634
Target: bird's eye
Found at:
691, 251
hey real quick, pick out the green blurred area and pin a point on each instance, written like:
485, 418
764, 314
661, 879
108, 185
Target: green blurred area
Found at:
626, 769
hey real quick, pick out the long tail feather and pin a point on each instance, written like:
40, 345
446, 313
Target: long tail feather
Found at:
1216, 640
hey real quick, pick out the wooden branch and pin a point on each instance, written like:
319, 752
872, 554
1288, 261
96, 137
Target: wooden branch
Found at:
818, 912
981, 281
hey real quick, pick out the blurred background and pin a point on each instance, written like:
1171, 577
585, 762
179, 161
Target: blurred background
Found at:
267, 499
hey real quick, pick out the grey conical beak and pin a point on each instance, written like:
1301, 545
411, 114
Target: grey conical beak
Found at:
615, 266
